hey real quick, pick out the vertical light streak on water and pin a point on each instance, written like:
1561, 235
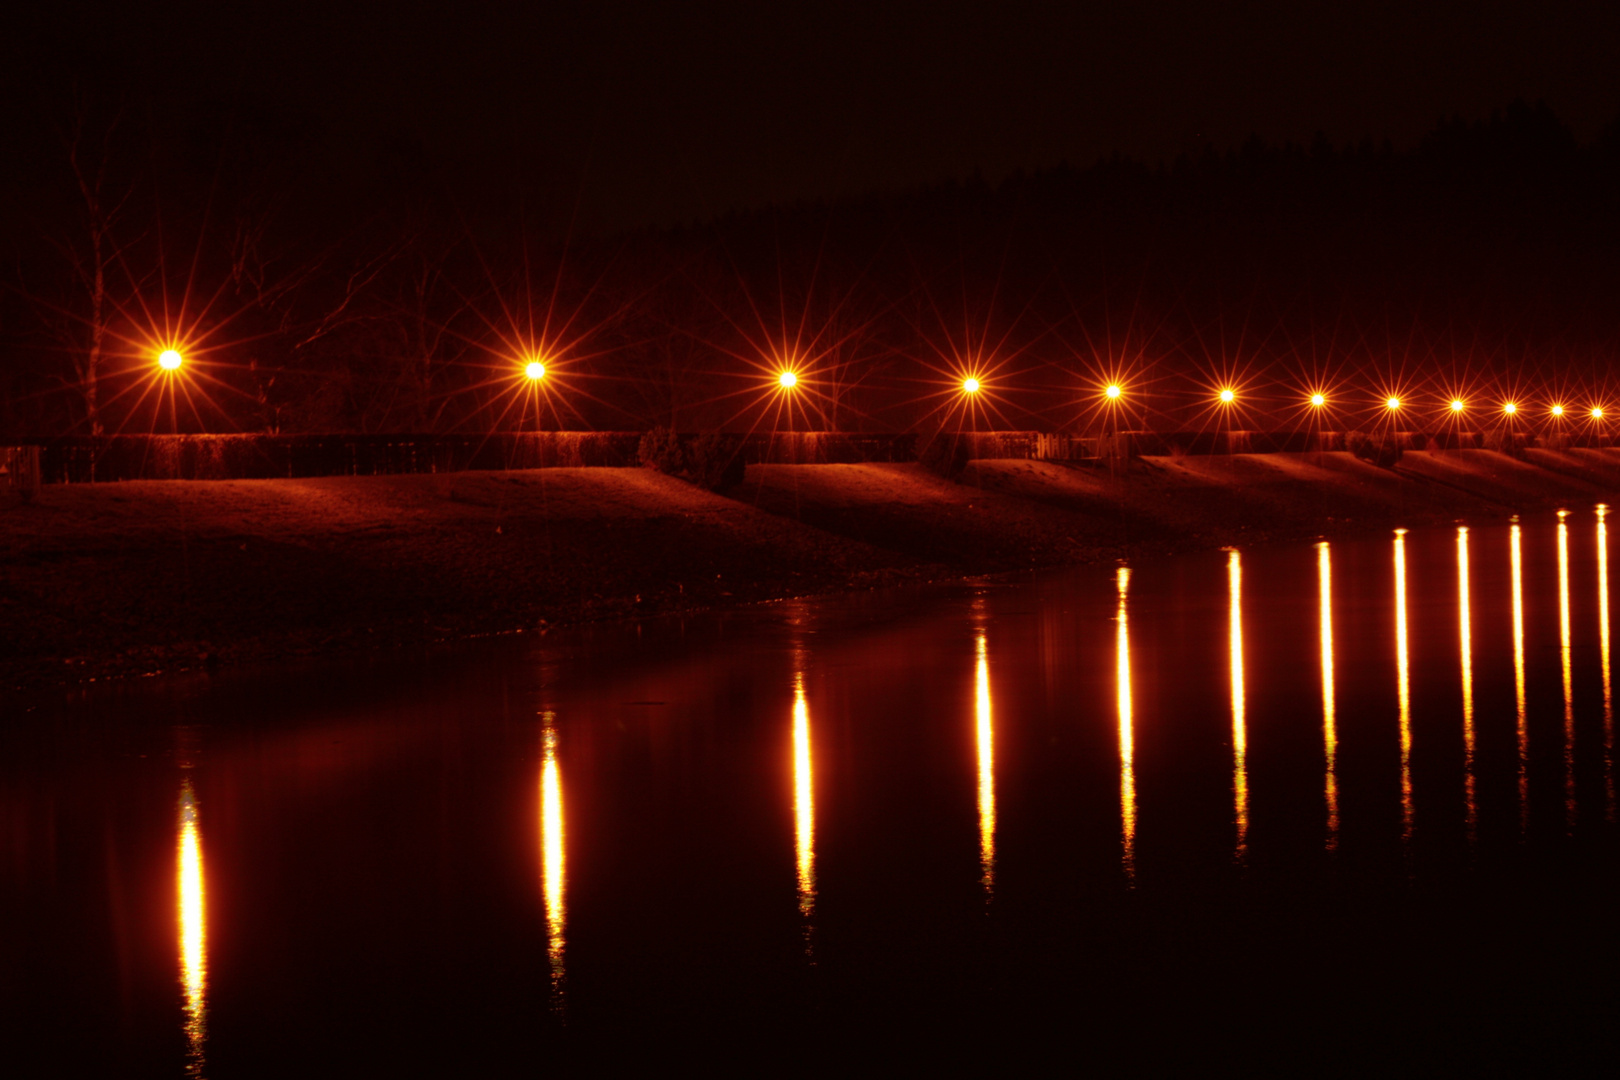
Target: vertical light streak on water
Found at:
1127, 738
553, 838
1565, 664
1465, 645
1404, 685
804, 802
1603, 652
1330, 731
985, 737
1240, 736
1523, 726
193, 931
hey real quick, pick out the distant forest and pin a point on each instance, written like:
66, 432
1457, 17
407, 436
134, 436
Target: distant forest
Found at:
1483, 263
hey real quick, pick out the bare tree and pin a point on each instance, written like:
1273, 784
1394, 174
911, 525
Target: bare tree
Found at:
90, 159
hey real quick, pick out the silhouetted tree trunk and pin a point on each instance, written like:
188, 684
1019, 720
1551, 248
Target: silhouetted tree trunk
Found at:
103, 205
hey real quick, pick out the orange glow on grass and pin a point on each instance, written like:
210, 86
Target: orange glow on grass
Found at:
170, 360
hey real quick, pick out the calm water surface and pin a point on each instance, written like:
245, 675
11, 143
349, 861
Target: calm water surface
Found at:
1320, 804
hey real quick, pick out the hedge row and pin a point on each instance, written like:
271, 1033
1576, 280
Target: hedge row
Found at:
246, 457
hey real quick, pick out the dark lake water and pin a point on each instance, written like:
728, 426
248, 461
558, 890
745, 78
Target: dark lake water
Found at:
1325, 806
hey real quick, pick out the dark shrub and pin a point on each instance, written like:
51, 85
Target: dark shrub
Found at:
661, 449
715, 461
1382, 450
1555, 440
945, 455
1506, 442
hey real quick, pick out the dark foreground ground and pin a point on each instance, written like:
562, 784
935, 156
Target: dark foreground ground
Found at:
109, 580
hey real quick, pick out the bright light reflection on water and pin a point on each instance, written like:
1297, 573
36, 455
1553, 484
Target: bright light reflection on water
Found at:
1240, 727
553, 839
1564, 659
1465, 646
193, 930
1403, 685
1127, 738
1330, 733
985, 741
1603, 651
804, 801
1521, 710
378, 842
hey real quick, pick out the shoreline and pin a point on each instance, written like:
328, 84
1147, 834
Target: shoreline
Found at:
123, 580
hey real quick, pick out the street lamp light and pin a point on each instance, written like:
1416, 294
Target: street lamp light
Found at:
970, 385
534, 370
169, 360
1113, 391
1456, 405
787, 380
1227, 396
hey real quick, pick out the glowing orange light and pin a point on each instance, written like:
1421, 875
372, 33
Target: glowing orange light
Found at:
193, 928
1392, 403
553, 837
1403, 685
1330, 735
1510, 408
1597, 413
1113, 390
1127, 737
1227, 397
534, 370
1456, 404
787, 380
1318, 400
804, 800
1558, 410
984, 732
970, 385
169, 360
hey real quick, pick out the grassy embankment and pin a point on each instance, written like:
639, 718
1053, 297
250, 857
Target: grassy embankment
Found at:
99, 580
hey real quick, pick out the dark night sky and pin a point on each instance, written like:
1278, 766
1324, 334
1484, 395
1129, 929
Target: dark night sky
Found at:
660, 112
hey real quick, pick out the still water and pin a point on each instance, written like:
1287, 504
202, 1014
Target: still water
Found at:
1319, 804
